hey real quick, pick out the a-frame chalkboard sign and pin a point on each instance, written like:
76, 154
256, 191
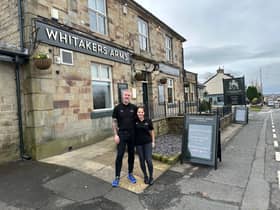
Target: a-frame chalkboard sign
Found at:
201, 142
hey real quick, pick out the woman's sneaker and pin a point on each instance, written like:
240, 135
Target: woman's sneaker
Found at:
131, 178
146, 180
151, 181
116, 181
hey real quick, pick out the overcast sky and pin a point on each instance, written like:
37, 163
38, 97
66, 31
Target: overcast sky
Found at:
243, 36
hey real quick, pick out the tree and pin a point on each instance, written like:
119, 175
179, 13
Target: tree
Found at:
252, 92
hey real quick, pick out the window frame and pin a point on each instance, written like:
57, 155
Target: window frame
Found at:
168, 48
161, 94
170, 85
97, 13
141, 35
100, 79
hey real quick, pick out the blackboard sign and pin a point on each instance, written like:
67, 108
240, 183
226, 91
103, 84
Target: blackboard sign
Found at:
234, 91
241, 115
201, 139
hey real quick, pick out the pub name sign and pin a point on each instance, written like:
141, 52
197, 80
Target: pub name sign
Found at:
58, 37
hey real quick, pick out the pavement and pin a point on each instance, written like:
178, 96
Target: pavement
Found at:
81, 179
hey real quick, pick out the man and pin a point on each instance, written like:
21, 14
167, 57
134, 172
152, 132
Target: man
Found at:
124, 116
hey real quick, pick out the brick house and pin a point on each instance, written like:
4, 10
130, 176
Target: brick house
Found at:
97, 48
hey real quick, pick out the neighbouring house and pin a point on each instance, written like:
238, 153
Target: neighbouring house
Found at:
72, 59
214, 87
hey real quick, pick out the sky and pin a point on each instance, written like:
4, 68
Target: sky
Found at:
241, 36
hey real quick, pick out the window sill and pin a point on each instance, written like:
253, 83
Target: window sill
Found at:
101, 114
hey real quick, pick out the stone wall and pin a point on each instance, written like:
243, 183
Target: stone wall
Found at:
175, 125
9, 22
9, 135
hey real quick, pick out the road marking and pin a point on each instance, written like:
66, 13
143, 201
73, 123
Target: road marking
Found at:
278, 175
273, 130
274, 136
277, 156
276, 144
273, 126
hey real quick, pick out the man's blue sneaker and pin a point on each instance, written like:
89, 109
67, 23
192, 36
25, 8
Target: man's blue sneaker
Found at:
131, 178
115, 183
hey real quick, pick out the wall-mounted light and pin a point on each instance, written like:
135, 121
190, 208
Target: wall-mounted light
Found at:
156, 68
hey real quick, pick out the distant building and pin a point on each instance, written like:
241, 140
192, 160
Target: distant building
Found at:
201, 91
214, 87
190, 84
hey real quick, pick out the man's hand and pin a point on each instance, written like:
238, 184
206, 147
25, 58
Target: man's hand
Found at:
116, 139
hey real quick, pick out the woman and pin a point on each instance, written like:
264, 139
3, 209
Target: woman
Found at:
144, 142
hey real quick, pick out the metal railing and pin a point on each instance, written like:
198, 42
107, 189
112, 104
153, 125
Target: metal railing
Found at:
222, 110
156, 110
178, 108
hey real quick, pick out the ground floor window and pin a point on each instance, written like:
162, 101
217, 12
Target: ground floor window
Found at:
161, 98
170, 90
101, 77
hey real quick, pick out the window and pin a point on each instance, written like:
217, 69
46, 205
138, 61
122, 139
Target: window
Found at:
220, 98
66, 57
168, 48
101, 87
161, 98
170, 91
97, 16
143, 34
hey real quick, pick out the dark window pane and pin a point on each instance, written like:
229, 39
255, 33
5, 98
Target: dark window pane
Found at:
101, 95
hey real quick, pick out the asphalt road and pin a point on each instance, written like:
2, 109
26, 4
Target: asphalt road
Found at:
246, 179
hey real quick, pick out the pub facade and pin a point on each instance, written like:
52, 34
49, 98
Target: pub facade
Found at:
82, 54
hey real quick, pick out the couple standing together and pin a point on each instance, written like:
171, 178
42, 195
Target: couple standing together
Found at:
132, 129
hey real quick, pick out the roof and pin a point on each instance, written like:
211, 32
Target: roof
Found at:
146, 12
215, 76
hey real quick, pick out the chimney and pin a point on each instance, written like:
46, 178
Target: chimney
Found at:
220, 71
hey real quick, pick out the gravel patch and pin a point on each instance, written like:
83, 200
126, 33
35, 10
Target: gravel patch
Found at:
168, 145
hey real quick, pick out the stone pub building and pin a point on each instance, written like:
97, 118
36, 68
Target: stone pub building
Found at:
95, 48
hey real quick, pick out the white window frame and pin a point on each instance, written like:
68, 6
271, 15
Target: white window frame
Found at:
170, 85
143, 34
161, 94
99, 79
97, 13
168, 48
61, 57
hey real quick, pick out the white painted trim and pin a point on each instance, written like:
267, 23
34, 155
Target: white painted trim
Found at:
277, 156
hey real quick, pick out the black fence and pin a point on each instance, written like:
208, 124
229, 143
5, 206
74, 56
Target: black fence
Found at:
222, 110
155, 110
179, 108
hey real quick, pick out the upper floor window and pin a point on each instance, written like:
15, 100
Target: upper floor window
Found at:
143, 34
97, 16
168, 48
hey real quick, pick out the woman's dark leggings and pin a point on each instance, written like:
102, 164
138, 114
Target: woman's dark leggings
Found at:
145, 156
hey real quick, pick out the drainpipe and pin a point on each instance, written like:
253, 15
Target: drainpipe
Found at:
184, 78
17, 73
